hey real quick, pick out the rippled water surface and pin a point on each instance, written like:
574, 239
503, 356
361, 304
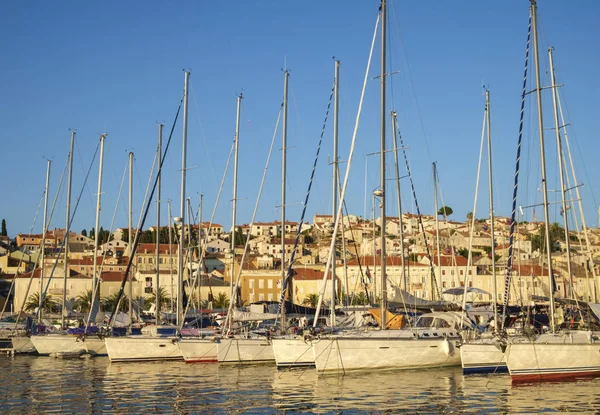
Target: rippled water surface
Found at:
31, 384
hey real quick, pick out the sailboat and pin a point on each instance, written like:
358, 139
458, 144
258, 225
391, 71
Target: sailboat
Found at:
554, 355
18, 338
203, 348
430, 343
293, 350
73, 342
249, 348
486, 353
157, 342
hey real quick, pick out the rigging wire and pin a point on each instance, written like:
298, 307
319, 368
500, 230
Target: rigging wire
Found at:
98, 278
516, 186
347, 174
62, 245
284, 283
137, 235
229, 316
21, 262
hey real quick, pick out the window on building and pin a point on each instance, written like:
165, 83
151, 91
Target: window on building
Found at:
251, 282
270, 297
461, 272
261, 297
443, 272
269, 284
261, 283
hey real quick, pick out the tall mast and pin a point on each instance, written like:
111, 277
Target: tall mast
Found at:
400, 224
95, 279
578, 198
437, 228
170, 250
561, 171
200, 251
336, 96
130, 221
538, 93
190, 248
180, 315
489, 145
67, 227
382, 166
44, 231
286, 75
235, 172
156, 297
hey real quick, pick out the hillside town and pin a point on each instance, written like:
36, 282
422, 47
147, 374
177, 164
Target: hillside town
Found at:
423, 259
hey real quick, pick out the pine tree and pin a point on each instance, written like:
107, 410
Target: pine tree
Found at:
84, 232
4, 231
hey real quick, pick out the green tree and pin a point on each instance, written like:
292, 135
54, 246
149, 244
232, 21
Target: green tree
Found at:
445, 211
469, 217
108, 303
84, 232
360, 299
240, 238
3, 232
311, 300
83, 302
33, 301
538, 241
463, 252
93, 234
163, 298
221, 301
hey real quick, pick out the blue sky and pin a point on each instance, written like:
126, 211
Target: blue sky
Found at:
116, 67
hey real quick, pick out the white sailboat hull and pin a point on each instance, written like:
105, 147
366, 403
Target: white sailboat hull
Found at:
245, 351
292, 352
62, 344
199, 350
23, 344
142, 348
482, 356
555, 357
383, 350
58, 344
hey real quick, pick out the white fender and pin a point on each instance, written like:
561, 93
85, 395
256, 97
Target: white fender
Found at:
447, 347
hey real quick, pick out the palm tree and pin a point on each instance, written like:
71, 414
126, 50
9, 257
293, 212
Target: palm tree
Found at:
163, 299
360, 299
311, 300
83, 302
33, 302
221, 301
108, 303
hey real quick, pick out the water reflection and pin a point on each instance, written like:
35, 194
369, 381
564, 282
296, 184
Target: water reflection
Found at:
48, 385
410, 391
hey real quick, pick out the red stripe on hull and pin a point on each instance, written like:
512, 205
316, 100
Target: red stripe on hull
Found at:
204, 360
553, 377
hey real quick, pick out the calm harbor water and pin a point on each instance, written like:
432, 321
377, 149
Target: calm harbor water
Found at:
30, 384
